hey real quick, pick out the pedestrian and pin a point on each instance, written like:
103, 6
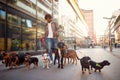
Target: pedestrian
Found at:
75, 47
43, 42
27, 46
51, 34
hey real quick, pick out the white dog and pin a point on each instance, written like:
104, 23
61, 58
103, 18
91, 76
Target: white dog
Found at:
46, 60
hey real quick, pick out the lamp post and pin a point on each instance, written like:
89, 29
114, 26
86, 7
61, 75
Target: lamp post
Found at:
109, 25
110, 42
36, 25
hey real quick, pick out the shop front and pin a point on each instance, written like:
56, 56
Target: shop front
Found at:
18, 30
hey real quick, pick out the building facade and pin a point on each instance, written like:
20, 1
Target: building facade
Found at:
89, 17
22, 23
75, 27
112, 34
116, 29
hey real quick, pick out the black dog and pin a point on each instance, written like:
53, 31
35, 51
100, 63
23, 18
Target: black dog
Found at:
99, 66
85, 64
60, 56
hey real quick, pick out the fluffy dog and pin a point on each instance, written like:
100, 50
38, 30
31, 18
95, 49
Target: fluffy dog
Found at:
85, 64
46, 60
31, 60
99, 66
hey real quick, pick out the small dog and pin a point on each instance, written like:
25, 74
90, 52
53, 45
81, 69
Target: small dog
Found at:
31, 60
46, 60
99, 66
85, 64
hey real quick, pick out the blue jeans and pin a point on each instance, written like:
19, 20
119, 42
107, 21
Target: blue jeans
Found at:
51, 43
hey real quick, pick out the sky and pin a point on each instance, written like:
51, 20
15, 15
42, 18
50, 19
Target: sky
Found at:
101, 8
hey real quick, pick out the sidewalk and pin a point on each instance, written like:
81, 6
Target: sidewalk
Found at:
115, 51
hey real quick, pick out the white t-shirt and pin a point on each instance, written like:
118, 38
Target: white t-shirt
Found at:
50, 32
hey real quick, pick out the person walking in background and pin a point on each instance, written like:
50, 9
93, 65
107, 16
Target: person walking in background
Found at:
43, 42
27, 46
51, 35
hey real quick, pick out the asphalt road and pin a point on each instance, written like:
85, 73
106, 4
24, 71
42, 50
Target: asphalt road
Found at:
70, 71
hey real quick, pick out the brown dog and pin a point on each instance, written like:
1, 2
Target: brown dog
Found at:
8, 59
71, 54
31, 60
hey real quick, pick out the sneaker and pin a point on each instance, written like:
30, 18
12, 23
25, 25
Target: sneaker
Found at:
51, 62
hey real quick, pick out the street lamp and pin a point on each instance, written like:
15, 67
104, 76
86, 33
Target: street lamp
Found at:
110, 43
109, 25
36, 24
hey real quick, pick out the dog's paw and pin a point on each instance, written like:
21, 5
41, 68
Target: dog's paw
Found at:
62, 68
48, 67
43, 66
89, 72
58, 66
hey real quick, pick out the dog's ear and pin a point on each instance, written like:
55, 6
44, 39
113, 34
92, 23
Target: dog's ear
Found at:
89, 58
47, 55
105, 61
4, 54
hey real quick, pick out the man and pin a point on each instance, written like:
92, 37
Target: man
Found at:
51, 35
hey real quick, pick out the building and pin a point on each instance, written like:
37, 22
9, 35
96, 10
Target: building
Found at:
116, 28
89, 17
22, 23
111, 34
73, 22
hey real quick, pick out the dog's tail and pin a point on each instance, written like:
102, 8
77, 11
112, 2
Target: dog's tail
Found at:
78, 58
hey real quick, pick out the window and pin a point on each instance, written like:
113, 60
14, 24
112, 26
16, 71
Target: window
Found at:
19, 21
2, 28
28, 23
2, 14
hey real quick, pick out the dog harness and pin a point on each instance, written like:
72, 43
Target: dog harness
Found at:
98, 65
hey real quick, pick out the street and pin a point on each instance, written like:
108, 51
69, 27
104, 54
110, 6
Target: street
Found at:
70, 71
